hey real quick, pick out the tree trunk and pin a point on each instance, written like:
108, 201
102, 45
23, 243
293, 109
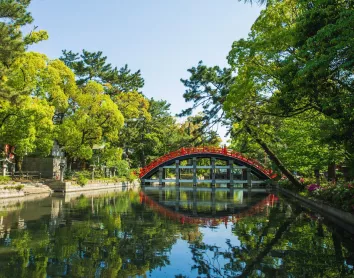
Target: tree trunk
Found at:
142, 159
332, 171
273, 157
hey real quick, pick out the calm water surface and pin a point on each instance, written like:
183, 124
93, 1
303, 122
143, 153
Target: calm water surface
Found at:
169, 232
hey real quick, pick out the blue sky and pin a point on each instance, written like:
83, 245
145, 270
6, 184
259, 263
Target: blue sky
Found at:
162, 38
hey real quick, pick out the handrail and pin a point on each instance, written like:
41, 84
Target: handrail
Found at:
206, 150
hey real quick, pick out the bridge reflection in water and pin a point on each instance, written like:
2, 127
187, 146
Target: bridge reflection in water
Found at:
207, 206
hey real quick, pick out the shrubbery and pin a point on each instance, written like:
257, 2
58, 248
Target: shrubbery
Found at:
339, 194
82, 177
4, 179
17, 187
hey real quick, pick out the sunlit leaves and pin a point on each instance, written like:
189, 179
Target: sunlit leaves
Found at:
96, 120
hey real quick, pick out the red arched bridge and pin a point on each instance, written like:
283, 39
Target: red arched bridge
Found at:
224, 166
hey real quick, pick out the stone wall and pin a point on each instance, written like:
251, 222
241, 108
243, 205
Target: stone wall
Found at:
47, 166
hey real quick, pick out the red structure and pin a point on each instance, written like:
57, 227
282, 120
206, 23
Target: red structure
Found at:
208, 151
270, 200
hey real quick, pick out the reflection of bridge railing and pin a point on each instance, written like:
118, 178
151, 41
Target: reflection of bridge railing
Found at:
214, 221
207, 150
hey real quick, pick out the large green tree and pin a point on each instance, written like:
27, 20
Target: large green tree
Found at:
42, 88
297, 58
292, 48
95, 120
13, 43
94, 66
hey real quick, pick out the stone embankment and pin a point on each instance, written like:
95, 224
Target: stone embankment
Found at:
340, 217
67, 187
18, 189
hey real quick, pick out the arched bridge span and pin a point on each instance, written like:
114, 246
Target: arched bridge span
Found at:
234, 160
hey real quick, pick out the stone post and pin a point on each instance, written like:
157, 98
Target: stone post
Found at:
4, 168
93, 172
62, 168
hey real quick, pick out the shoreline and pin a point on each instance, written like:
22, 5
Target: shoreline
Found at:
9, 191
339, 217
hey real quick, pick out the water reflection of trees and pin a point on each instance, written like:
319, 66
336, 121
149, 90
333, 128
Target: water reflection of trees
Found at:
118, 236
281, 242
114, 236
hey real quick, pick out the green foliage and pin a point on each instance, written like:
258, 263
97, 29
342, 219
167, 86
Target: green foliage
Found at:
17, 187
122, 168
149, 131
95, 121
4, 179
132, 176
338, 194
207, 87
68, 174
92, 66
110, 226
82, 177
296, 59
193, 134
14, 16
289, 91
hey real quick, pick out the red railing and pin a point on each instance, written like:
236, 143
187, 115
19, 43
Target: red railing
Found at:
257, 208
206, 150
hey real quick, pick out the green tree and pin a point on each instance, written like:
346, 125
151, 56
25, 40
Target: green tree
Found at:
93, 66
13, 44
297, 57
96, 120
43, 89
193, 134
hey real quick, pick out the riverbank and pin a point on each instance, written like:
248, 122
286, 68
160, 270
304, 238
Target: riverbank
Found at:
340, 217
21, 189
66, 187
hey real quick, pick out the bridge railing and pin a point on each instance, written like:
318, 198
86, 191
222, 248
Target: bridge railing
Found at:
206, 150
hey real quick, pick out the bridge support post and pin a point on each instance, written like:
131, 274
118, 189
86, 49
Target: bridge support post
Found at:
194, 171
161, 176
249, 178
213, 172
230, 174
177, 173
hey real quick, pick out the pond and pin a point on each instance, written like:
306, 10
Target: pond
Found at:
170, 232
